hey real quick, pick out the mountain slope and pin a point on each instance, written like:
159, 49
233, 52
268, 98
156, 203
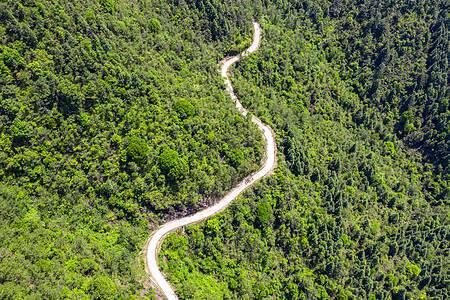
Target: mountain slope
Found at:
355, 210
113, 119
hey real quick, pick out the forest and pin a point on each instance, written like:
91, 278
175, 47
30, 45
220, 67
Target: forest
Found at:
114, 119
359, 206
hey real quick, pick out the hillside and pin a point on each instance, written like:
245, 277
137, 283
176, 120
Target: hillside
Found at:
360, 207
114, 119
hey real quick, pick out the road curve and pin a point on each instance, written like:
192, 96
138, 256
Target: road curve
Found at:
269, 164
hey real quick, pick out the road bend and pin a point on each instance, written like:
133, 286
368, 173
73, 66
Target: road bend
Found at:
269, 163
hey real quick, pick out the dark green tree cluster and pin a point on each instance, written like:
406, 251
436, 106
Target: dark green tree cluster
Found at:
392, 54
184, 108
137, 149
217, 20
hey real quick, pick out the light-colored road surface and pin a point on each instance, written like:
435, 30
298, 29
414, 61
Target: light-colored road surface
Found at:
266, 169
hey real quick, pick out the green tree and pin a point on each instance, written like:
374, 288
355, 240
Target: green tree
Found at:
263, 213
21, 131
167, 159
236, 157
154, 26
108, 5
414, 270
137, 149
342, 296
179, 170
102, 288
12, 59
292, 291
184, 108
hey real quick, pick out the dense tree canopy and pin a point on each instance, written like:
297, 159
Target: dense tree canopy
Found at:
113, 119
92, 95
358, 206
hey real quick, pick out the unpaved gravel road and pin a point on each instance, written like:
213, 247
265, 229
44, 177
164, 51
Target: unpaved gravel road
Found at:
267, 169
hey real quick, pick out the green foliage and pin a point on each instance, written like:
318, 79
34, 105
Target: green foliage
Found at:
179, 170
137, 149
358, 98
87, 93
167, 160
236, 156
173, 165
12, 59
359, 202
297, 156
263, 213
116, 139
212, 226
200, 286
21, 130
342, 296
414, 270
108, 5
389, 148
102, 288
154, 26
184, 108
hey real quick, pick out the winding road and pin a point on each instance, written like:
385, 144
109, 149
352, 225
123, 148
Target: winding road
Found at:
269, 164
